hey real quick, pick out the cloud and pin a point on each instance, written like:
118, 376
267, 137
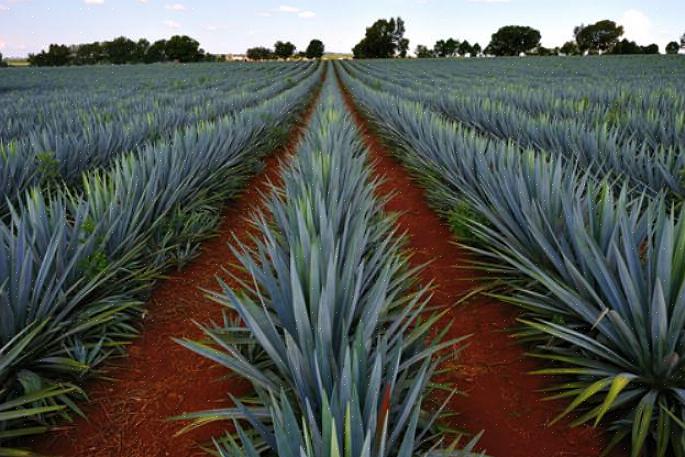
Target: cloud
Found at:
143, 1
214, 27
288, 9
94, 2
4, 8
489, 1
172, 24
2, 44
637, 26
264, 14
175, 7
304, 14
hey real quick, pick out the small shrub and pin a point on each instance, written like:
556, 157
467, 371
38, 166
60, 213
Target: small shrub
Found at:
461, 219
48, 166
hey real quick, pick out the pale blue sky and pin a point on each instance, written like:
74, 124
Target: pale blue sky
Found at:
232, 25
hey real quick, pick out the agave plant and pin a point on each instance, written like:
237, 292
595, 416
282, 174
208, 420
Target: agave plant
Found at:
606, 278
75, 267
641, 110
345, 359
649, 164
63, 150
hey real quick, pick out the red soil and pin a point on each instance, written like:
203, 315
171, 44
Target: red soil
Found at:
501, 398
159, 378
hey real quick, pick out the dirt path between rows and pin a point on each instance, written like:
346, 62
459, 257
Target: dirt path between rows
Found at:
159, 378
501, 398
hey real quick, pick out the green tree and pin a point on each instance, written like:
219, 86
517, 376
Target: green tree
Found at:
142, 47
403, 47
284, 50
626, 47
570, 48
315, 49
464, 48
446, 48
183, 49
599, 37
672, 48
423, 52
89, 54
512, 40
260, 53
2, 61
439, 49
57, 55
543, 51
156, 52
384, 39
651, 49
120, 50
477, 50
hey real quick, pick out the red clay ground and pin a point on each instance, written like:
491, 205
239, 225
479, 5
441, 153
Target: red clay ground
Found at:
502, 399
159, 378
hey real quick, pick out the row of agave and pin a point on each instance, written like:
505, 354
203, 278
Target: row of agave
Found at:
652, 165
599, 274
646, 107
57, 153
332, 331
75, 267
60, 97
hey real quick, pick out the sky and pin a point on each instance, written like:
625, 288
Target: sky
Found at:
231, 26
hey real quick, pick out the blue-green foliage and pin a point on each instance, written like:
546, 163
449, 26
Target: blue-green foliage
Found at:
343, 359
611, 128
57, 142
74, 266
604, 266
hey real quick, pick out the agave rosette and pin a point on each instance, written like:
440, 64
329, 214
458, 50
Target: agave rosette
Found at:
75, 266
345, 360
604, 290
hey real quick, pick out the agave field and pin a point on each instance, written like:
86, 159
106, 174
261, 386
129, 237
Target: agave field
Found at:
561, 180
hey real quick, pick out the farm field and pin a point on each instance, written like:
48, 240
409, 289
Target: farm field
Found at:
365, 258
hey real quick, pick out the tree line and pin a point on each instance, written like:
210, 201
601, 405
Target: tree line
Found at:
385, 39
286, 50
122, 50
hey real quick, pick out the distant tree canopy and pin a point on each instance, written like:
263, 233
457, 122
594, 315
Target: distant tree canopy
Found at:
512, 40
315, 49
651, 49
450, 47
423, 52
2, 61
156, 52
570, 48
384, 39
599, 37
57, 55
464, 48
183, 49
630, 47
446, 48
121, 50
284, 50
672, 48
260, 53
